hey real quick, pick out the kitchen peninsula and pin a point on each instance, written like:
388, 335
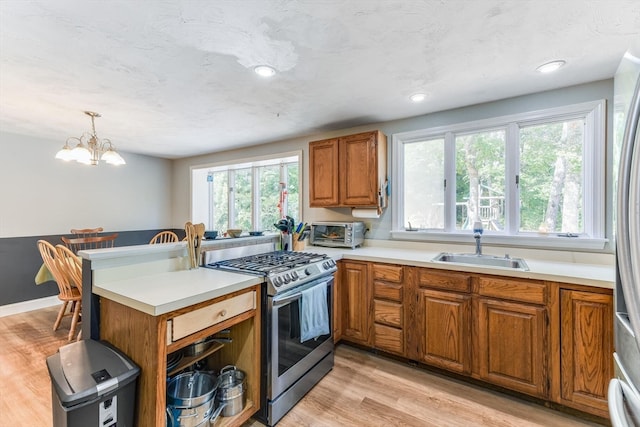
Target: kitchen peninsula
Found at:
146, 302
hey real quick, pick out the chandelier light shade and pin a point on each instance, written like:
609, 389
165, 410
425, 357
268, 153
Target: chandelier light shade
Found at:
89, 149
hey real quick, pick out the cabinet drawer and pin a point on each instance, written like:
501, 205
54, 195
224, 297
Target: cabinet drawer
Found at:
189, 323
513, 289
388, 273
389, 339
447, 281
388, 313
387, 291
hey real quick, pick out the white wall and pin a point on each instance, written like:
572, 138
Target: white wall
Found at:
40, 195
380, 228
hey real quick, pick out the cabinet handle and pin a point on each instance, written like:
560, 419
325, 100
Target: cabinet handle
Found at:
223, 313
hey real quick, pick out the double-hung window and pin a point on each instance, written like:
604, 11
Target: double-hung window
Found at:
535, 179
251, 195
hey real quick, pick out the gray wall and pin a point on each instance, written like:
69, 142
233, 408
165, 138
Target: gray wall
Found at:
44, 197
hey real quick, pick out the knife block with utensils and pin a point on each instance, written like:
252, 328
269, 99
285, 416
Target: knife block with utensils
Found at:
195, 235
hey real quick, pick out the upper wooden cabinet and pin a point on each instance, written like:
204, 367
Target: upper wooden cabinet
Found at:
348, 171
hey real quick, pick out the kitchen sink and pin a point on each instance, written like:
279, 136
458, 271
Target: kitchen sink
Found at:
483, 260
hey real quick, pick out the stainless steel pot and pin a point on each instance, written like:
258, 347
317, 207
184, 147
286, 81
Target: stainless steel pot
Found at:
191, 389
198, 416
231, 395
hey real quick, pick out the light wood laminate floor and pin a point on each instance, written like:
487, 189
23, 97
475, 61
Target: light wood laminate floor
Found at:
362, 389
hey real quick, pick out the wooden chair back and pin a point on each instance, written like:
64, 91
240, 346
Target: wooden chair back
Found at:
164, 237
57, 268
87, 232
95, 242
72, 265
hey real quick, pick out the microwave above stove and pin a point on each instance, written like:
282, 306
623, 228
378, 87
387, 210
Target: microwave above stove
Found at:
337, 234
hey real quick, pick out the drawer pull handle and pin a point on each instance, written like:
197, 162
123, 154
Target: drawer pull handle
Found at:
223, 313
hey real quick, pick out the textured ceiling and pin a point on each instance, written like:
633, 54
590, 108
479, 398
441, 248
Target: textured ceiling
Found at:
175, 78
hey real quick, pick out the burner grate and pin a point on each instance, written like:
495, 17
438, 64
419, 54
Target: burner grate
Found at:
271, 262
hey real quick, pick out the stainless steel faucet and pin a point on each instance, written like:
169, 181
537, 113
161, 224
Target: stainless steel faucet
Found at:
477, 234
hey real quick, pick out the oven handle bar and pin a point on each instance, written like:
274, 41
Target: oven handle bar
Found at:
287, 300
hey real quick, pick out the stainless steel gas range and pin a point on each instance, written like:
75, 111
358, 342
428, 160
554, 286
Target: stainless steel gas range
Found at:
297, 296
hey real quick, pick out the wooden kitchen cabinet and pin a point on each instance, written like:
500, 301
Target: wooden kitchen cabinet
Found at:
586, 349
337, 307
511, 346
348, 171
148, 339
388, 309
512, 333
441, 323
356, 302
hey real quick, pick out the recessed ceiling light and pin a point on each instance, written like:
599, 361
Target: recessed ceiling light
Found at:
418, 97
550, 67
264, 70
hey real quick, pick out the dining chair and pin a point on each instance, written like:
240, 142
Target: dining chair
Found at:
68, 291
164, 237
87, 232
93, 242
72, 264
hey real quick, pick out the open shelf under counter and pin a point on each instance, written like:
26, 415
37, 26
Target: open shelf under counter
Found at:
147, 340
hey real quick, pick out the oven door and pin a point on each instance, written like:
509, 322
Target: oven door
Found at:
289, 358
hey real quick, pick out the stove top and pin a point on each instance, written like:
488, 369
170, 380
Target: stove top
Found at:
283, 270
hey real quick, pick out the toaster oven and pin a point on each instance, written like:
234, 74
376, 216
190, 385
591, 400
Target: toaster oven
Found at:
337, 234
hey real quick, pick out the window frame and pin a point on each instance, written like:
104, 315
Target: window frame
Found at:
252, 163
594, 161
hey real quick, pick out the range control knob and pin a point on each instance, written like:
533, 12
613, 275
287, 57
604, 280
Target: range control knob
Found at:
308, 271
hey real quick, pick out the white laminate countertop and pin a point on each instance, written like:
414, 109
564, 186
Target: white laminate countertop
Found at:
580, 273
161, 293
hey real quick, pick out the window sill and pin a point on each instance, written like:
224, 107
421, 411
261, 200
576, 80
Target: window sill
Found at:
524, 241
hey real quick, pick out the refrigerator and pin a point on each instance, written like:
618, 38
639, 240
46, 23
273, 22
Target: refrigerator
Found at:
624, 389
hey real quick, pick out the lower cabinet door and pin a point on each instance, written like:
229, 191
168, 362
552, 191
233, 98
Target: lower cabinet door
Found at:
512, 347
356, 302
444, 325
586, 361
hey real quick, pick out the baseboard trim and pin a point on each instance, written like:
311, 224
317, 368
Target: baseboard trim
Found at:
24, 306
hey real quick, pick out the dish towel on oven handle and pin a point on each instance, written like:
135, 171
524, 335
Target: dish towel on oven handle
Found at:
314, 313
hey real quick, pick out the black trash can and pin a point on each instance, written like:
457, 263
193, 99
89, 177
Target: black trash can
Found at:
92, 384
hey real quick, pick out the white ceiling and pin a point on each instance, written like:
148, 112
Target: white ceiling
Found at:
175, 78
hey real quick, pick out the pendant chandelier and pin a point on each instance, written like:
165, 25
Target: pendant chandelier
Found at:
89, 148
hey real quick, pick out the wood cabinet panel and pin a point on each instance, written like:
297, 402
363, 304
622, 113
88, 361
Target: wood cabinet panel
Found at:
356, 302
586, 349
389, 339
323, 178
358, 154
512, 345
390, 291
337, 307
193, 321
388, 273
448, 281
445, 326
388, 313
347, 171
513, 289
